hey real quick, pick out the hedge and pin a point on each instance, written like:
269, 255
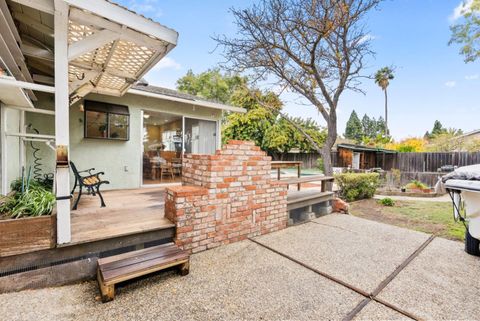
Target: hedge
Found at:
357, 186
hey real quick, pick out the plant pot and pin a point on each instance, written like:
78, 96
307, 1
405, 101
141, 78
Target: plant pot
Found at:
27, 234
427, 190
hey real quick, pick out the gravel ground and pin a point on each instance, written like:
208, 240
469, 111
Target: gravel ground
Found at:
358, 251
442, 283
236, 282
245, 281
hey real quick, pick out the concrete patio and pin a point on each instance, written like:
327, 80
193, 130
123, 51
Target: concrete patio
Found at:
336, 267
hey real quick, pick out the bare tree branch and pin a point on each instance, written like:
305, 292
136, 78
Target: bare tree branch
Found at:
315, 47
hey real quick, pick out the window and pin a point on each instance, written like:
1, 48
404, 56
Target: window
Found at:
106, 121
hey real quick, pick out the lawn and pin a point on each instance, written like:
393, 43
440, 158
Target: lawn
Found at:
429, 217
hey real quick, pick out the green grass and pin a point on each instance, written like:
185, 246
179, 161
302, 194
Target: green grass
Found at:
429, 217
430, 213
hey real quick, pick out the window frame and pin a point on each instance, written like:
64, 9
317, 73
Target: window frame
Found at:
109, 109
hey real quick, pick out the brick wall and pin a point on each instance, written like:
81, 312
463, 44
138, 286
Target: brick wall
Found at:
226, 197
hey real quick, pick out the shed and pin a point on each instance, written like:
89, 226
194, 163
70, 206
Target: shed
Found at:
364, 157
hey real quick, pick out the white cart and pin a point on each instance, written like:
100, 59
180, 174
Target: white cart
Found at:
465, 194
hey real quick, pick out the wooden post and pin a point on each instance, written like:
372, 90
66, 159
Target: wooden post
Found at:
3, 143
299, 170
62, 175
21, 148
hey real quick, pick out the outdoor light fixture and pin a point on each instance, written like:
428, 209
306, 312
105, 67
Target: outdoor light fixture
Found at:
81, 107
146, 116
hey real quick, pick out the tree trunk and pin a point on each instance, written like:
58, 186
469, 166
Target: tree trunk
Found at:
387, 132
326, 150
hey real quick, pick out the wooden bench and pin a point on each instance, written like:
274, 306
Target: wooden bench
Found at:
299, 199
308, 179
115, 269
310, 197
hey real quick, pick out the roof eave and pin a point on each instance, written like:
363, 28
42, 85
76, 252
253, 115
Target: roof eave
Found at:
200, 103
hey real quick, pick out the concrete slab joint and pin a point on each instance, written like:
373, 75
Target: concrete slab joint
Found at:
226, 197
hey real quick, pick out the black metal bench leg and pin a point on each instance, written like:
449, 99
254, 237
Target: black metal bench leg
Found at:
78, 199
102, 202
74, 186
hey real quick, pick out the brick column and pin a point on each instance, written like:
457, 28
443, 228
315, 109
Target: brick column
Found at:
226, 198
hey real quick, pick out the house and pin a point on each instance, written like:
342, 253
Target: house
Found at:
359, 157
469, 139
71, 90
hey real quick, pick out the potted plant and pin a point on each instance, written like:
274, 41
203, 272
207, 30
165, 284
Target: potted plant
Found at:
416, 186
27, 218
103, 129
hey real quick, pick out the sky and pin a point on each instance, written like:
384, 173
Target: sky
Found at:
432, 82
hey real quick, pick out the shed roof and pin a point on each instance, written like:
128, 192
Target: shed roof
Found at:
361, 148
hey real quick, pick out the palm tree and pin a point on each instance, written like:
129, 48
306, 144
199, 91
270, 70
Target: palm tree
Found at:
382, 78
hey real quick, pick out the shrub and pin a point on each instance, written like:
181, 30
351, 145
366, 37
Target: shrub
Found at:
320, 165
355, 186
387, 201
36, 200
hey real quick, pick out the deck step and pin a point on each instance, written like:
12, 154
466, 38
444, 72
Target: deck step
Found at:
115, 269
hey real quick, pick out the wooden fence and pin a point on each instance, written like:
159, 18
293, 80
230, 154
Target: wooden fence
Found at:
405, 162
430, 162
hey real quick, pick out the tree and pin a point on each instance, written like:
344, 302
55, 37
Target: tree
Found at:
408, 145
354, 128
437, 129
267, 127
467, 33
211, 84
382, 79
316, 48
447, 141
275, 133
369, 126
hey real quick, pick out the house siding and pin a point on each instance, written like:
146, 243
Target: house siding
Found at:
120, 160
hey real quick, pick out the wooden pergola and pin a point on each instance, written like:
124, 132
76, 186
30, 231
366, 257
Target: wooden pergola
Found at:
71, 48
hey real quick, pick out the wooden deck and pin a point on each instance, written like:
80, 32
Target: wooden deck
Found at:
127, 212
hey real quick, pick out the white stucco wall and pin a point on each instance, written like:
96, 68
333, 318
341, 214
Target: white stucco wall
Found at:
120, 160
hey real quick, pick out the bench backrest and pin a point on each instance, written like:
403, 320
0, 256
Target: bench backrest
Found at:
75, 171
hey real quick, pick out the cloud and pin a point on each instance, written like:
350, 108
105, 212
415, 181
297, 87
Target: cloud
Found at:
472, 77
367, 37
167, 63
146, 7
460, 10
450, 84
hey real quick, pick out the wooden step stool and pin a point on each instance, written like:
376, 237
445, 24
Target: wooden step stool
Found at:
115, 269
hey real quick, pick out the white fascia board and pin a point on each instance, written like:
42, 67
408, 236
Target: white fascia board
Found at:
200, 103
125, 17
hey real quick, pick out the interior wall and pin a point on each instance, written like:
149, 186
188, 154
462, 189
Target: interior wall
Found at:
120, 160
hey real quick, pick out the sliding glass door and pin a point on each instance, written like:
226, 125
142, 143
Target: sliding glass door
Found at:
200, 136
166, 138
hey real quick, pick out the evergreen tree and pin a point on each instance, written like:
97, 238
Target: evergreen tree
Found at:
437, 129
354, 128
380, 126
369, 126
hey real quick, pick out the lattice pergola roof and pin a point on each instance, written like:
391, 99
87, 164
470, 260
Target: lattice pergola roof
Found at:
106, 55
